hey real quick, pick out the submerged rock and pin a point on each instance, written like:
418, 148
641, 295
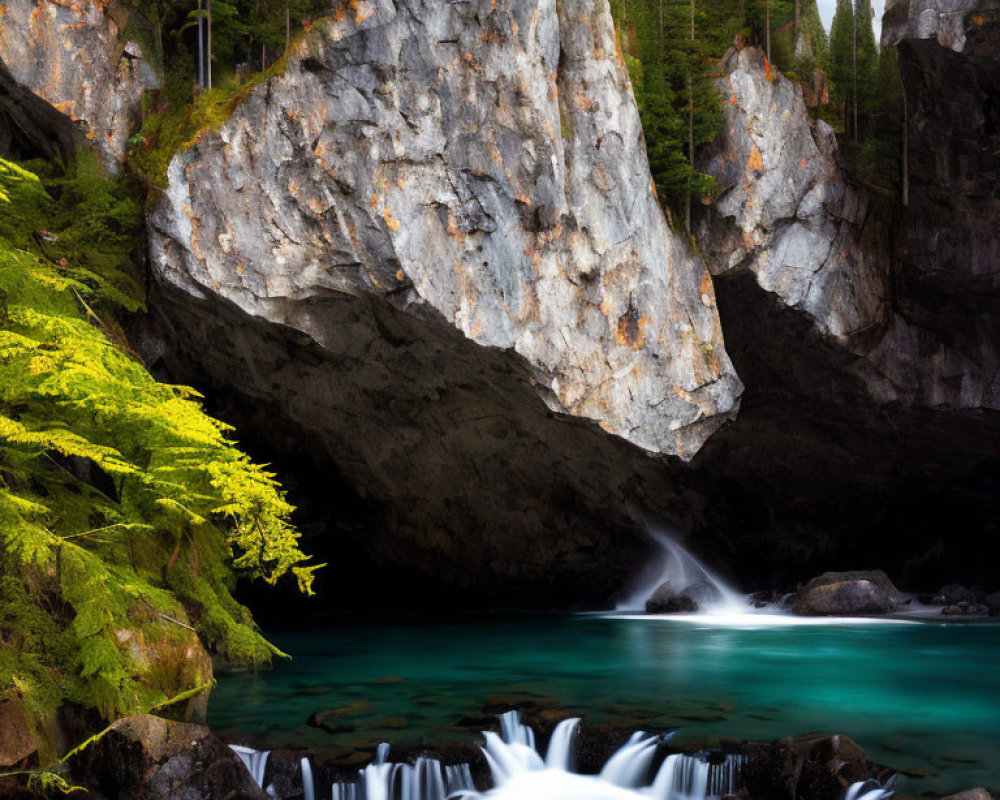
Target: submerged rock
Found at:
814, 766
667, 600
71, 56
847, 594
149, 758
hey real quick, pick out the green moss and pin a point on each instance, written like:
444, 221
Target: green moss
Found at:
179, 124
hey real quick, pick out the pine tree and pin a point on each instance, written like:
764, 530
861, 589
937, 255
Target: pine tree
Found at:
841, 58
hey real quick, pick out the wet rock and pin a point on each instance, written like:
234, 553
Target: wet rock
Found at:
815, 766
953, 594
17, 742
847, 594
992, 602
971, 794
149, 758
71, 56
666, 600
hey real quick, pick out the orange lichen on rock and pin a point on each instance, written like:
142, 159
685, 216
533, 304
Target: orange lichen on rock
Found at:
391, 222
755, 162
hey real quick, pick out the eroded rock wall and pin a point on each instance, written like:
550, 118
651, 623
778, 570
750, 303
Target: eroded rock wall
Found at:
478, 163
447, 208
70, 56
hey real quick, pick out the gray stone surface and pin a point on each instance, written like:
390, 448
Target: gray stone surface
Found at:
947, 21
785, 211
70, 55
480, 163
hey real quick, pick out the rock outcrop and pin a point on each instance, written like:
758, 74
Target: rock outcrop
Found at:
149, 758
865, 333
432, 248
846, 594
785, 212
70, 57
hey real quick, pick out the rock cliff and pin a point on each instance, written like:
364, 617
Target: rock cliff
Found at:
864, 330
68, 57
440, 221
425, 267
785, 211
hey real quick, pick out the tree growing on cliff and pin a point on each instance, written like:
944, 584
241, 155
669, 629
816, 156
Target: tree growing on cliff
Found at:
841, 59
675, 92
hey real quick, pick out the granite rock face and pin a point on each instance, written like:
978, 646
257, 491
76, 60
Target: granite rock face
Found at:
70, 55
481, 164
864, 330
946, 21
431, 250
785, 212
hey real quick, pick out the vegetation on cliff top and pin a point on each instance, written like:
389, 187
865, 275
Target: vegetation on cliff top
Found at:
126, 513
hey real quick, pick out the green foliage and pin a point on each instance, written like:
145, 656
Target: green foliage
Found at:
671, 74
125, 512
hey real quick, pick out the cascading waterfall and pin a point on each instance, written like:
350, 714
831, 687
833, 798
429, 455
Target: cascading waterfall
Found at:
677, 565
871, 789
254, 760
308, 787
520, 773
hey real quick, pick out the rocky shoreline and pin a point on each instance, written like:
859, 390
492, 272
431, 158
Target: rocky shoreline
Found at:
840, 594
150, 758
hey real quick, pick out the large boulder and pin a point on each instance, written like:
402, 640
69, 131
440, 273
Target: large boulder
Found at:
847, 594
150, 758
70, 56
815, 766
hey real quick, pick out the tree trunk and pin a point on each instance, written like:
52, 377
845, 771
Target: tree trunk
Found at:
855, 62
767, 29
201, 47
208, 48
906, 156
288, 25
691, 67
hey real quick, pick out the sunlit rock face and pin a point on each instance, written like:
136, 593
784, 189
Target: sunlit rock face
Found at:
70, 55
882, 281
478, 163
785, 211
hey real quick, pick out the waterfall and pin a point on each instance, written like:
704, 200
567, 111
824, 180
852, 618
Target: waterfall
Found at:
425, 779
677, 565
562, 746
254, 760
871, 789
308, 787
520, 773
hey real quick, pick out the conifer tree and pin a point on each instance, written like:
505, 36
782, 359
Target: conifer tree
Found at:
841, 57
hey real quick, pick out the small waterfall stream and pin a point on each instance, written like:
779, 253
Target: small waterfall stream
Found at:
682, 569
520, 773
